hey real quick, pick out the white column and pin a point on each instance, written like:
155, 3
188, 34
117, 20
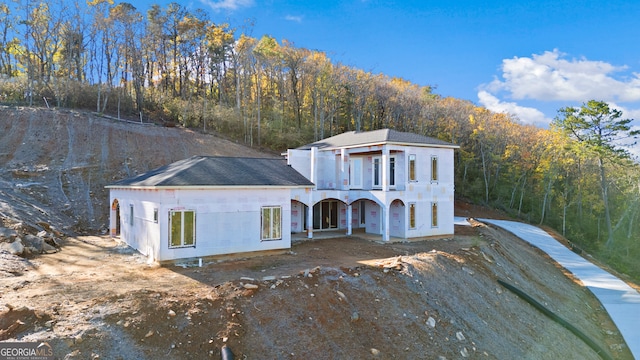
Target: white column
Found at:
310, 216
385, 168
314, 170
344, 170
349, 218
385, 223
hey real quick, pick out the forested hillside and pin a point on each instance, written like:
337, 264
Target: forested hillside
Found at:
177, 67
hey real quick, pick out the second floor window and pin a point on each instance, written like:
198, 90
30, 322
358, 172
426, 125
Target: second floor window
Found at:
412, 167
377, 172
434, 169
392, 171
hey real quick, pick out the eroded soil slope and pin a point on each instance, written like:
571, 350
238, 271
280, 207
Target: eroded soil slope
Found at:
54, 164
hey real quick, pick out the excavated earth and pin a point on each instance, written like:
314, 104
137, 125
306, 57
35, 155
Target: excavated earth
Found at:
336, 298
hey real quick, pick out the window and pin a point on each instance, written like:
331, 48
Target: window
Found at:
412, 167
182, 228
155, 215
412, 215
131, 214
434, 169
271, 223
392, 171
434, 214
377, 173
355, 173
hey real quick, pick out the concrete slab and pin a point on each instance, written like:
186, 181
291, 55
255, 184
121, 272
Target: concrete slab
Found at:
621, 301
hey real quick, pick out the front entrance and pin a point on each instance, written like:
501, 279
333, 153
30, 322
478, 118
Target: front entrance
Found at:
325, 215
115, 218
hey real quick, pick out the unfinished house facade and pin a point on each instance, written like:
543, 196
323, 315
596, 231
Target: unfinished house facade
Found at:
204, 206
383, 182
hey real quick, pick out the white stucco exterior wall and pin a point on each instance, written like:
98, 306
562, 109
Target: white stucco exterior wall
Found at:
333, 168
227, 220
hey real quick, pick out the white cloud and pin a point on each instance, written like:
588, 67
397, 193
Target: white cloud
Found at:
229, 5
629, 144
527, 115
551, 77
294, 18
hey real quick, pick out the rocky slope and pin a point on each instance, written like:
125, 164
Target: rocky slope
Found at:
54, 164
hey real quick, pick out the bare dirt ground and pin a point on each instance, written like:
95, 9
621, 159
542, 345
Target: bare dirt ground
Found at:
342, 298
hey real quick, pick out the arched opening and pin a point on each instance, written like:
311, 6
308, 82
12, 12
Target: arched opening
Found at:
366, 216
115, 218
325, 215
397, 219
298, 216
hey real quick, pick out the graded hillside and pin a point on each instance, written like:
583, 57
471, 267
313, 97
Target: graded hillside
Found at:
54, 164
341, 298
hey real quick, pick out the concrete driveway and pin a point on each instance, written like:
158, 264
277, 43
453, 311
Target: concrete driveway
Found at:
621, 301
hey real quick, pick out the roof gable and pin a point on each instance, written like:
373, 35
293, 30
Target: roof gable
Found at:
359, 138
220, 171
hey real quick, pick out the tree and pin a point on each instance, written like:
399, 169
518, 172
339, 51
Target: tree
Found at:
599, 129
102, 50
127, 20
8, 44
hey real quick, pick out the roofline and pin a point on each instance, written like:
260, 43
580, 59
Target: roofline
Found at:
452, 146
207, 187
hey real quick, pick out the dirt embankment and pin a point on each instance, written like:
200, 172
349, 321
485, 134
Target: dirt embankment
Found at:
54, 164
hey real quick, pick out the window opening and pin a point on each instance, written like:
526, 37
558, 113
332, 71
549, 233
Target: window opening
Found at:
412, 167
412, 216
376, 172
182, 228
434, 169
271, 223
434, 214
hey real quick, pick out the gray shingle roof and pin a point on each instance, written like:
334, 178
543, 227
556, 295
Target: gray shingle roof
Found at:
220, 171
353, 138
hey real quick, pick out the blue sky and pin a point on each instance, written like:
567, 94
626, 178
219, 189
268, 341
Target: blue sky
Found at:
526, 58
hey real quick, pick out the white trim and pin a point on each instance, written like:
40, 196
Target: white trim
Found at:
206, 187
364, 145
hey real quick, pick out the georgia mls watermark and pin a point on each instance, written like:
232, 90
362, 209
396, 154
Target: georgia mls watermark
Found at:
25, 351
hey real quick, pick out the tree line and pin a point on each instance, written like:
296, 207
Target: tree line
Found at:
178, 67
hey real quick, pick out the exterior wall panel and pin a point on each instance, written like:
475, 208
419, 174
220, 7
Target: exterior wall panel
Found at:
227, 221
